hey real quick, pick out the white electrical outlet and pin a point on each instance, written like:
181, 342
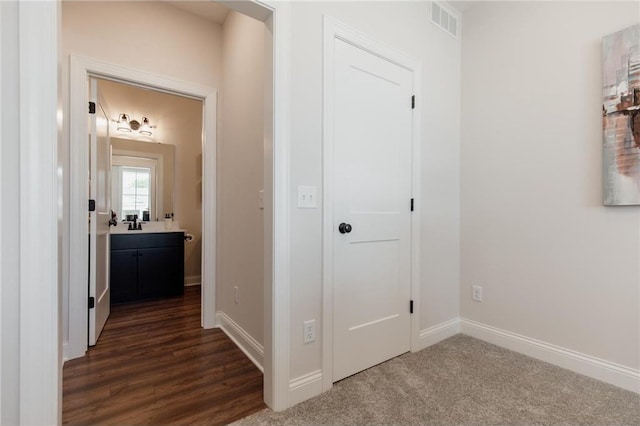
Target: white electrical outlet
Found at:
476, 293
310, 331
236, 298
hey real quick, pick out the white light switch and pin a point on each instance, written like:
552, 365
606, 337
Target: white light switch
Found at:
307, 197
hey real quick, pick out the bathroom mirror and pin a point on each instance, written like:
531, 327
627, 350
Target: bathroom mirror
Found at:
142, 176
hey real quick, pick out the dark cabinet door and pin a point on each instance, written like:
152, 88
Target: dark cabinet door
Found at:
160, 272
124, 275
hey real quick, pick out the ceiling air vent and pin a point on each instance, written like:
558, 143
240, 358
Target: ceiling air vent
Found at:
444, 18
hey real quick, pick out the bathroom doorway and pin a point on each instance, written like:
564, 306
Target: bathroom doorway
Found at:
155, 193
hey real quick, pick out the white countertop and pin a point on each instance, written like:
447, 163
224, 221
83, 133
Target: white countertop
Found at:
147, 228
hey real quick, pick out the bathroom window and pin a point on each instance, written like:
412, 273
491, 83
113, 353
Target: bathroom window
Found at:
133, 182
135, 190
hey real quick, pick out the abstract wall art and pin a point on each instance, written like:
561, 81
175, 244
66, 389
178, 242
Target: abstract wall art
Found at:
621, 117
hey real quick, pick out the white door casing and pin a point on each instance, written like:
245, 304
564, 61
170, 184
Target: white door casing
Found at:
100, 192
36, 393
371, 173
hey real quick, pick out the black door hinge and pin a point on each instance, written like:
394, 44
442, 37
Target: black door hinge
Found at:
410, 306
412, 204
92, 302
92, 107
413, 101
92, 205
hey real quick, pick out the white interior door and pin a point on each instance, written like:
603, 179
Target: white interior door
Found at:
372, 196
99, 191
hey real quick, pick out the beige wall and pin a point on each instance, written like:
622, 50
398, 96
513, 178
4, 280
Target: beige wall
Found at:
146, 35
149, 36
404, 26
555, 264
240, 175
187, 195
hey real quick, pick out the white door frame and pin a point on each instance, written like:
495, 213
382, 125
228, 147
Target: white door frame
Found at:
37, 331
80, 69
276, 295
334, 29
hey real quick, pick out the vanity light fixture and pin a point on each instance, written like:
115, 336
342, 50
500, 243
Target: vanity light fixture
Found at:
125, 124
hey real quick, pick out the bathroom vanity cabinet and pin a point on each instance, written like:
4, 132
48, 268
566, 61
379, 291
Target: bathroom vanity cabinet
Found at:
146, 266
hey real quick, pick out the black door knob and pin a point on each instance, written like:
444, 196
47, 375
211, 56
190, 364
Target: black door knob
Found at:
344, 228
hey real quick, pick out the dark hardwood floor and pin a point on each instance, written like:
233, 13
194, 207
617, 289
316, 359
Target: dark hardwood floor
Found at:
154, 364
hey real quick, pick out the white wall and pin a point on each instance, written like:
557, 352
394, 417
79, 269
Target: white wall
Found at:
149, 36
555, 264
404, 26
240, 175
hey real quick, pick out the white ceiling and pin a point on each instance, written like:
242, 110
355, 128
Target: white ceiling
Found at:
209, 10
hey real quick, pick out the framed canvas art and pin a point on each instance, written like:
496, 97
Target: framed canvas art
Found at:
621, 117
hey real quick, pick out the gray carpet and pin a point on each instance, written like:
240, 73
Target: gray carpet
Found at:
462, 380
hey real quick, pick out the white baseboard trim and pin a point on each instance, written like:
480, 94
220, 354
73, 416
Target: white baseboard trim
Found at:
609, 372
247, 344
434, 334
305, 387
70, 352
192, 280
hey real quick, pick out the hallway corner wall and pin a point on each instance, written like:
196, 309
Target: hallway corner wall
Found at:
240, 178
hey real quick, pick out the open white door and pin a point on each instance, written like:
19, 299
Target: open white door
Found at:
100, 193
371, 214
